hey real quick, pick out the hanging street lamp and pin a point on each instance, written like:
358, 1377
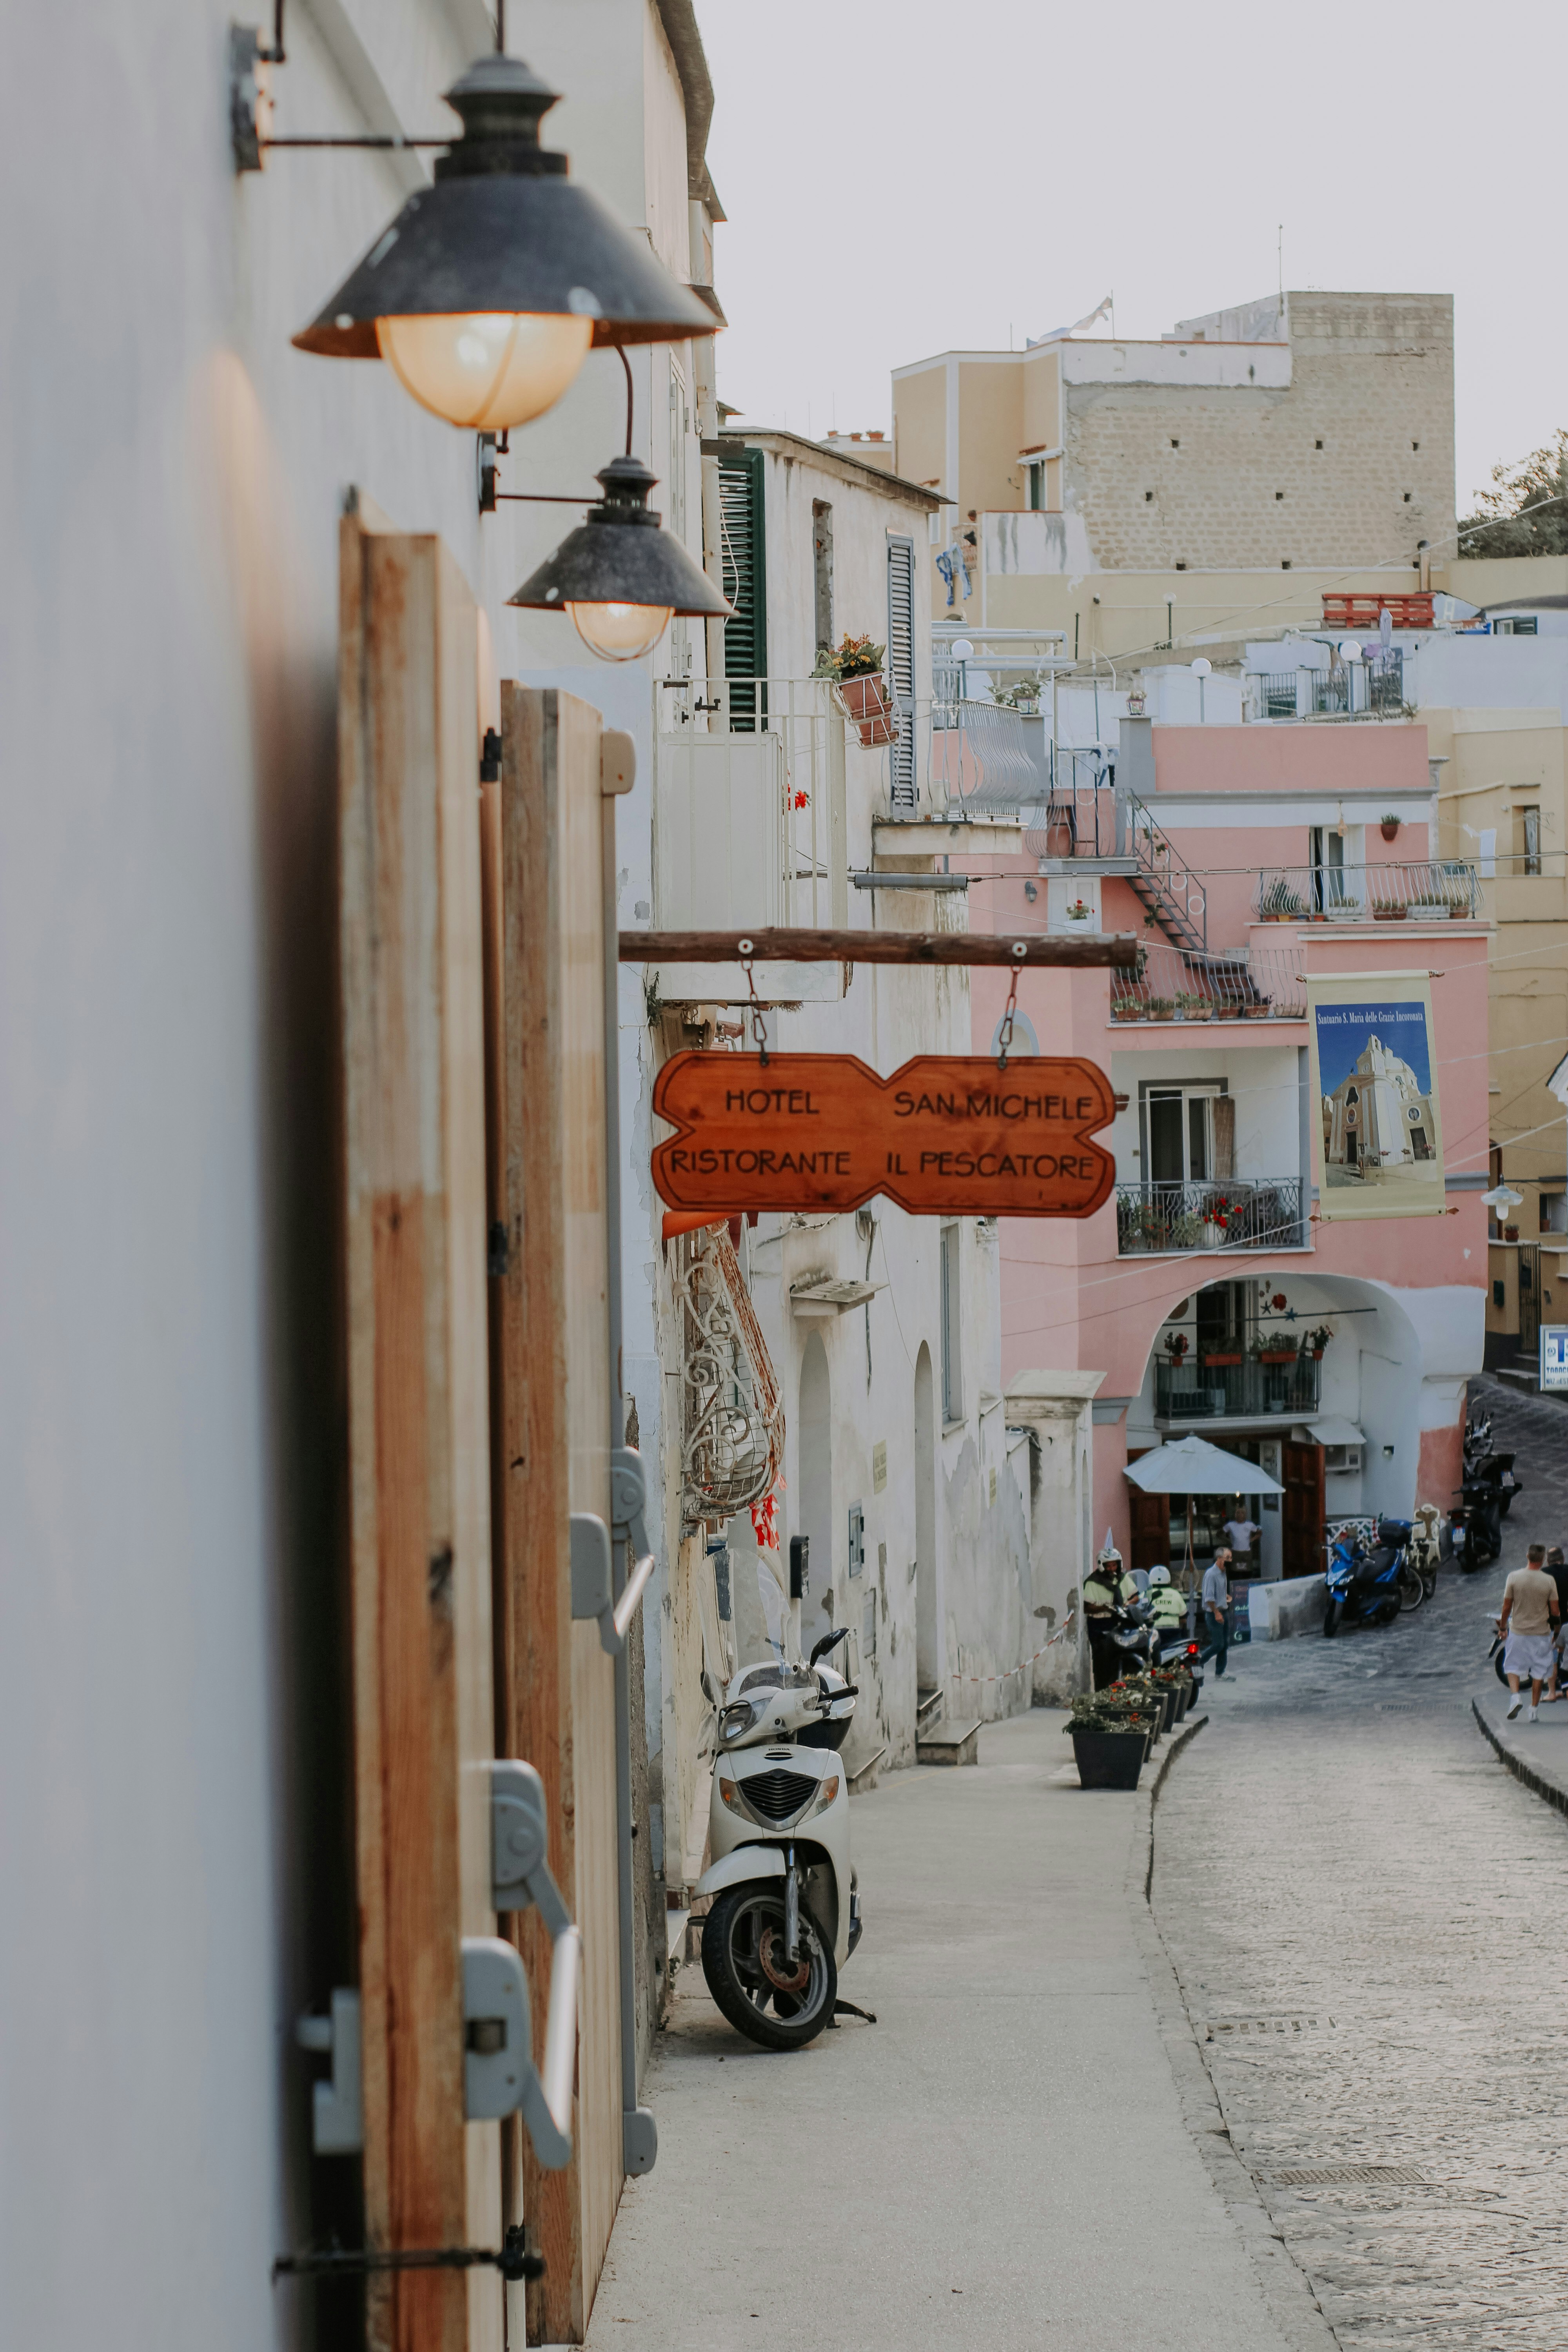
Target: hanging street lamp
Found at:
620, 576
487, 292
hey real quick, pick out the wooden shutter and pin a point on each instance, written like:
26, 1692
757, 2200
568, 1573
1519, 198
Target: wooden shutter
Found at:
901, 667
550, 1402
1302, 1474
1223, 1112
743, 546
414, 1146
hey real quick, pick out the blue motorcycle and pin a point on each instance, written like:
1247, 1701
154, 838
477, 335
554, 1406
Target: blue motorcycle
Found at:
1372, 1587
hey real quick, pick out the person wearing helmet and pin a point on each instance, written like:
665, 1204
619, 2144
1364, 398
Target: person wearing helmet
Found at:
1102, 1598
1167, 1602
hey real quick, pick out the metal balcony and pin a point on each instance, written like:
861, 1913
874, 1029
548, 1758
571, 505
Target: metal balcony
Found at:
1179, 984
1435, 888
1224, 1214
1250, 1390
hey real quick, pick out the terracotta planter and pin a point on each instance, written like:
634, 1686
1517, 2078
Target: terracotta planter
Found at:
1511, 1232
1389, 828
1213, 1363
1278, 1356
866, 704
1389, 914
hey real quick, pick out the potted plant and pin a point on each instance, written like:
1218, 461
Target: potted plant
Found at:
1125, 1008
1187, 1230
1213, 1358
1314, 1342
1081, 911
1176, 1347
1256, 1008
1389, 910
1390, 824
1511, 1232
1108, 1748
1162, 1008
1275, 1355
1136, 702
1280, 903
857, 669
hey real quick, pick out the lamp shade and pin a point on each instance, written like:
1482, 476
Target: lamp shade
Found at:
618, 560
503, 235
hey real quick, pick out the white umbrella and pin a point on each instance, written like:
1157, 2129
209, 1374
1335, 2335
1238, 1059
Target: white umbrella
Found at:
1195, 1467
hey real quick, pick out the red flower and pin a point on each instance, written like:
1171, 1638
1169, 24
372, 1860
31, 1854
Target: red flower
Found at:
803, 799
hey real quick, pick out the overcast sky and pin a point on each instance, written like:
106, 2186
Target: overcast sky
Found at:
903, 178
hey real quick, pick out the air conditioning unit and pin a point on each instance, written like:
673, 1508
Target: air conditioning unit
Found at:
1342, 1457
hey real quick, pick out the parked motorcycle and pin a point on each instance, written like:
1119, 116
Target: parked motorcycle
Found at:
787, 1908
1476, 1521
1372, 1587
1497, 1470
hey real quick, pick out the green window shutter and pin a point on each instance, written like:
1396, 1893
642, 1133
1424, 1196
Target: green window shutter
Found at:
904, 792
744, 556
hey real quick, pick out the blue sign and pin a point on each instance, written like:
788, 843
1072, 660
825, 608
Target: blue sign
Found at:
1553, 1356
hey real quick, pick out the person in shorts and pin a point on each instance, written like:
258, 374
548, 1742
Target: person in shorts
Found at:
1558, 1572
1529, 1620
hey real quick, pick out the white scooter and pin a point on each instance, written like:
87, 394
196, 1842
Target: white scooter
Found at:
786, 1909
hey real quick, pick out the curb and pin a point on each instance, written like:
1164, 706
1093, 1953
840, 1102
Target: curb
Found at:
1533, 1780
1287, 2290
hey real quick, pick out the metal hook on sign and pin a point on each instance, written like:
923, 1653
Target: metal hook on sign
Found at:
759, 1026
1004, 1034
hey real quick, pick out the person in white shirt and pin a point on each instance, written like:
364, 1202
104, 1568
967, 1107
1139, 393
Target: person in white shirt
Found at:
1241, 1531
1216, 1607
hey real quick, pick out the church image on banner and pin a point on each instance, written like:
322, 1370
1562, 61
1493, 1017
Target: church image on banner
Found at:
1378, 1116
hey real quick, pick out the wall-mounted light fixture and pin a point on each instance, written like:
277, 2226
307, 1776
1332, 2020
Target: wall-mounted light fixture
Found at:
487, 292
618, 575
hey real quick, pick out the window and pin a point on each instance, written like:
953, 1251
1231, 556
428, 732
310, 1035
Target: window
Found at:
1188, 1133
1530, 833
1148, 497
1517, 625
1278, 495
822, 570
903, 785
857, 1538
1317, 444
1037, 486
952, 1328
744, 565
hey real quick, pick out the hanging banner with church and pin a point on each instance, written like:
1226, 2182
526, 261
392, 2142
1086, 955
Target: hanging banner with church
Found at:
1374, 1082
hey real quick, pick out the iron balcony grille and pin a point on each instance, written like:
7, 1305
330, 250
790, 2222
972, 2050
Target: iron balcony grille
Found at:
1181, 984
1250, 1391
1227, 1212
778, 1795
1436, 887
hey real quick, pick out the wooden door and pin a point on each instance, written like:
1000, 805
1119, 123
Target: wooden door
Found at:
1530, 1300
551, 1375
1151, 1529
1301, 1474
414, 1167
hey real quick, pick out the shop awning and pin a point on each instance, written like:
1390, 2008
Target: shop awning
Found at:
1329, 1431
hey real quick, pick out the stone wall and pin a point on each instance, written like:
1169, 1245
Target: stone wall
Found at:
1219, 477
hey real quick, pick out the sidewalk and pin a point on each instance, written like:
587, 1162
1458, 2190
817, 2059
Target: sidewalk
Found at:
1002, 2161
1536, 1753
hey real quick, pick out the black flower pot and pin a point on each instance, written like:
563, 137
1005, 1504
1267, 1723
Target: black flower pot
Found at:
1183, 1691
1109, 1759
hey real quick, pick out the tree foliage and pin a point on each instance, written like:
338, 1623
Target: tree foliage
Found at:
1501, 527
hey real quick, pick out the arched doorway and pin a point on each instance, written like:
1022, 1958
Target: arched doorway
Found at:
814, 1514
927, 1647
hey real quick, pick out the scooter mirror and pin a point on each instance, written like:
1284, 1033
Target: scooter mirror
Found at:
828, 1641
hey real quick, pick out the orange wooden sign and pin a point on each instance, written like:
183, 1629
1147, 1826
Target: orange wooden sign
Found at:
948, 1134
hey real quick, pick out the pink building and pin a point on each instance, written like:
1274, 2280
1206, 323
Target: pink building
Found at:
1247, 858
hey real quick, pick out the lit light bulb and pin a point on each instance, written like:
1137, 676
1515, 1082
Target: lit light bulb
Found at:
620, 632
485, 371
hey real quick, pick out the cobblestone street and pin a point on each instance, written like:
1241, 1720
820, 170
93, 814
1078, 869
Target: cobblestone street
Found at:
1365, 1912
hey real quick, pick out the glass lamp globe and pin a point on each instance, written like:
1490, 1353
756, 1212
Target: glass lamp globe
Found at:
485, 371
620, 632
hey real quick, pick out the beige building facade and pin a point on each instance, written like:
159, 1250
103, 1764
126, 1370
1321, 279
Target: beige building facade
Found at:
1136, 493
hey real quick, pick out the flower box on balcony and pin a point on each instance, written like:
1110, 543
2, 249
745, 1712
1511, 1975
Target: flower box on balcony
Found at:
1125, 1008
1257, 1011
866, 704
1386, 911
1213, 1363
1430, 913
1277, 1355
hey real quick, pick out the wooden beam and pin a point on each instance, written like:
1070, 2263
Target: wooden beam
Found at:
414, 1137
1116, 950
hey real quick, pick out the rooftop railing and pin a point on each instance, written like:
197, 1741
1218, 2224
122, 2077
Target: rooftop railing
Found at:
1434, 889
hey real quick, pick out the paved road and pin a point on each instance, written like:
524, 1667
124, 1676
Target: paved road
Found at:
1367, 1918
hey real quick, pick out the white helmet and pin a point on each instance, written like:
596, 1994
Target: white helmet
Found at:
1159, 1576
1110, 1557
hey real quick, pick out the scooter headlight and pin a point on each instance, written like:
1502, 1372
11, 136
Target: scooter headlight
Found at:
738, 1718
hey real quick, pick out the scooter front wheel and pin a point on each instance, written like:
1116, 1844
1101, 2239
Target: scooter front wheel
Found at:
750, 1976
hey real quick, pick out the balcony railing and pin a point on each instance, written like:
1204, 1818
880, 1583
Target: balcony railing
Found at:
980, 758
1228, 1213
1247, 1390
751, 802
1437, 888
1179, 984
1375, 685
